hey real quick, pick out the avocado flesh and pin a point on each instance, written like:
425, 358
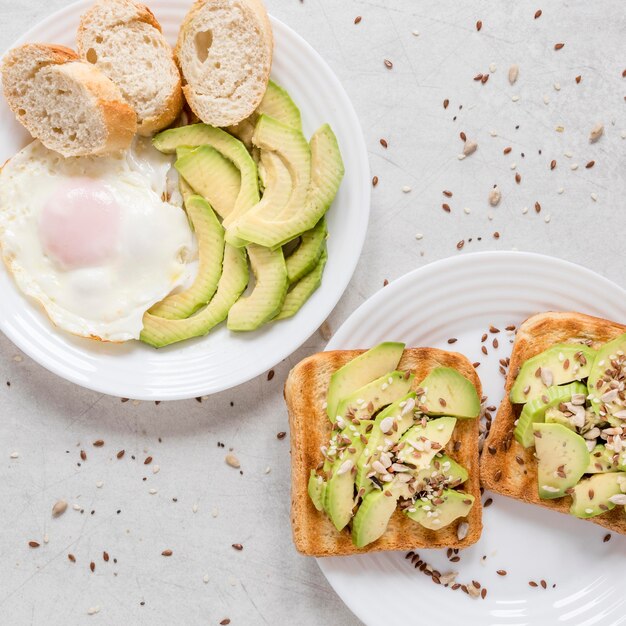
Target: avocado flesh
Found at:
360, 371
301, 291
603, 460
535, 410
266, 300
160, 332
291, 147
372, 517
418, 441
307, 254
276, 103
402, 415
562, 458
592, 496
436, 516
615, 408
210, 175
326, 173
442, 465
447, 392
210, 235
316, 490
560, 364
554, 416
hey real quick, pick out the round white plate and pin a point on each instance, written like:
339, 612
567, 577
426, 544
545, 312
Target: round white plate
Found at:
222, 359
460, 297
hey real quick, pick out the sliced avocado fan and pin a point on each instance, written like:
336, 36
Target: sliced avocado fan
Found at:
307, 254
210, 235
160, 332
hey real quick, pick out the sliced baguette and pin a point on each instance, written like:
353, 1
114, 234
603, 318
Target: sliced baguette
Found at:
305, 393
123, 39
224, 51
69, 105
508, 468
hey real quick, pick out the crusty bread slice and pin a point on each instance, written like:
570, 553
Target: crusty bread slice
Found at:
508, 468
224, 51
124, 40
70, 106
305, 392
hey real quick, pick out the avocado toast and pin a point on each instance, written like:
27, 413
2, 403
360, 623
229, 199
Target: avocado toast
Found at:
546, 452
387, 517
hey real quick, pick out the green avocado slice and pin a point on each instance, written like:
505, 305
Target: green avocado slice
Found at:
442, 466
307, 254
267, 298
598, 494
447, 392
534, 411
302, 290
560, 364
603, 460
361, 370
609, 365
210, 235
436, 516
422, 443
316, 488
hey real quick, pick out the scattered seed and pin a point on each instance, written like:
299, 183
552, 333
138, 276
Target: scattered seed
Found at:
484, 79
460, 244
233, 461
469, 147
147, 460
98, 443
544, 584
478, 77
573, 166
507, 150
518, 178
557, 86
446, 102
92, 566
419, 236
406, 189
447, 194
532, 583
167, 552
552, 164
225, 622
463, 136
72, 558
105, 556
590, 165
501, 572
496, 235
388, 64
59, 508
33, 544
374, 181
515, 98
120, 454
578, 79
237, 546
446, 207
538, 14
607, 538
83, 455
488, 502
383, 143
537, 207
357, 19
479, 25
452, 340
495, 196
559, 46
281, 435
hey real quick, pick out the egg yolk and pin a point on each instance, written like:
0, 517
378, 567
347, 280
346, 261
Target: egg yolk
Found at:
79, 224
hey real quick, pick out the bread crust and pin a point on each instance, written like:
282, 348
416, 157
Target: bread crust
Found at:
174, 102
186, 30
119, 118
305, 391
506, 467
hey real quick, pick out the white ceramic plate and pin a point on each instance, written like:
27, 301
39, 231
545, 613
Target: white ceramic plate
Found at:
460, 297
222, 359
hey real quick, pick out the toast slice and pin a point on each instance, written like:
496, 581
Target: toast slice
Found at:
225, 51
507, 467
123, 39
72, 107
305, 393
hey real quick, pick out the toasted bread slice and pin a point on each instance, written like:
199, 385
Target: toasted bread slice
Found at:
508, 468
72, 107
305, 392
225, 51
123, 39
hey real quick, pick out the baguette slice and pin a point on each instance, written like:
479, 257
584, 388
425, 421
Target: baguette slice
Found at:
69, 105
305, 392
224, 51
123, 39
510, 469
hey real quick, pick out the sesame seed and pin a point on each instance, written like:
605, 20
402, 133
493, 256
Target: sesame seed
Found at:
419, 236
594, 197
406, 189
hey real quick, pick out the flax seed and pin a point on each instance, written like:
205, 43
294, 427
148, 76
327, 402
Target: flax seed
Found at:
538, 14
559, 46
388, 64
479, 25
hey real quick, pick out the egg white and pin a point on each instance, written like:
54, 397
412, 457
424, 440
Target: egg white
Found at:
152, 256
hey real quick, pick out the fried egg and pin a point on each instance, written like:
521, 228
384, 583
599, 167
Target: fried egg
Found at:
93, 239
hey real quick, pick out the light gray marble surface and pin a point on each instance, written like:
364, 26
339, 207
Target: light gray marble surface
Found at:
48, 421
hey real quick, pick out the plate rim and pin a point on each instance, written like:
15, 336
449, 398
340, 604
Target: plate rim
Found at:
340, 341
362, 187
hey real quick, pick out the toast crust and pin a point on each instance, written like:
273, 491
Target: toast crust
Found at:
506, 467
306, 389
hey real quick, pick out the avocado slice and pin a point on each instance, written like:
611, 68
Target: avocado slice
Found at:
301, 291
562, 458
609, 365
450, 506
535, 411
447, 392
293, 150
211, 175
603, 460
160, 332
598, 494
210, 235
326, 173
442, 466
422, 443
560, 364
361, 370
372, 517
276, 103
316, 488
554, 416
389, 426
266, 300
307, 254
